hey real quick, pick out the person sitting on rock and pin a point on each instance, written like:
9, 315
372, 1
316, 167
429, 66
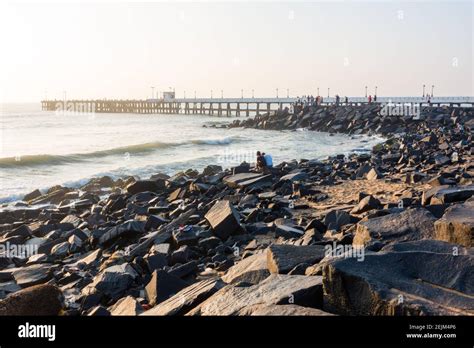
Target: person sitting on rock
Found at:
268, 160
260, 162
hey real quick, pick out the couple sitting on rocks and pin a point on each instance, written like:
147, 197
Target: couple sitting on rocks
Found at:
264, 162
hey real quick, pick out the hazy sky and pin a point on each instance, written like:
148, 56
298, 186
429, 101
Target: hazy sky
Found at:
120, 50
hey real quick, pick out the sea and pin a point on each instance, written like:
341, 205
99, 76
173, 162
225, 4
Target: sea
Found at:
40, 149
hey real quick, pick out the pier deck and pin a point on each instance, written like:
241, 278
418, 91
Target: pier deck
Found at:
223, 106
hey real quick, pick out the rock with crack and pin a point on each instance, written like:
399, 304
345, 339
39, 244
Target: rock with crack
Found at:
420, 282
252, 270
410, 224
457, 225
187, 298
282, 258
276, 289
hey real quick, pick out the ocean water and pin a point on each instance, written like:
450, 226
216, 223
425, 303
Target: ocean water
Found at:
39, 149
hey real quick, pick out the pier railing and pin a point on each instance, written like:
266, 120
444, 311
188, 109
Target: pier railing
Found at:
226, 106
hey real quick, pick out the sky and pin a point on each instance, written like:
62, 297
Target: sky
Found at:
121, 49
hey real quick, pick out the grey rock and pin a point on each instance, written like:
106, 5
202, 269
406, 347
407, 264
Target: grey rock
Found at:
282, 258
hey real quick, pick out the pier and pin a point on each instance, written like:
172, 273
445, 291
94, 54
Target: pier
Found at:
225, 106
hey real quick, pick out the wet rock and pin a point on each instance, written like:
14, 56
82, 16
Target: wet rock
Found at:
32, 195
419, 283
187, 298
38, 300
252, 270
224, 219
211, 170
283, 258
410, 224
162, 286
457, 225
276, 289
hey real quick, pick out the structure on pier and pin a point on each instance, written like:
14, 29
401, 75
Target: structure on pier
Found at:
223, 106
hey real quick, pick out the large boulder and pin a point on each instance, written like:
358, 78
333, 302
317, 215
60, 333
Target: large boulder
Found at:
245, 180
282, 258
112, 281
445, 194
40, 300
187, 298
276, 289
410, 224
335, 219
418, 280
457, 225
252, 270
32, 275
126, 306
145, 185
128, 228
162, 286
224, 219
281, 310
367, 203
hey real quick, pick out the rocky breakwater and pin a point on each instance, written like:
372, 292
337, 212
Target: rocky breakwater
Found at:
385, 233
363, 119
